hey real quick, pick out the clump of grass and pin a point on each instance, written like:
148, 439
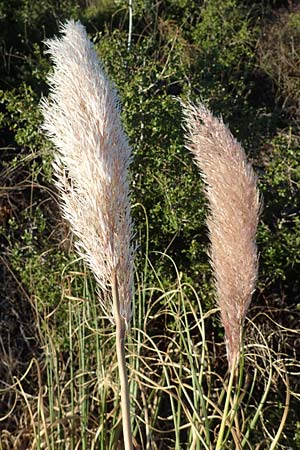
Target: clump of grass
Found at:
177, 387
92, 157
234, 210
182, 395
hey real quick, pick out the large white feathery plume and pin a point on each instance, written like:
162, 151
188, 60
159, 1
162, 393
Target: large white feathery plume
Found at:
82, 118
234, 205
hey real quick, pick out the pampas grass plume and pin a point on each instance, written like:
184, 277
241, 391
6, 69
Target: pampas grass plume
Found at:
82, 118
234, 207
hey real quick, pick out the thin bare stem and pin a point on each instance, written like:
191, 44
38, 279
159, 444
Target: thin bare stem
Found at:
130, 25
226, 408
120, 347
284, 416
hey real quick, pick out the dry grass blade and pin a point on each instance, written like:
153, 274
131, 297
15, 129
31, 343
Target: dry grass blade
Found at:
234, 210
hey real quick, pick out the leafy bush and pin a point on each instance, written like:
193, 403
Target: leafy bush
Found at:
279, 234
278, 51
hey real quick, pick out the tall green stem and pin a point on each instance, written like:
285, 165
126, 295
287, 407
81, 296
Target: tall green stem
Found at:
226, 408
120, 347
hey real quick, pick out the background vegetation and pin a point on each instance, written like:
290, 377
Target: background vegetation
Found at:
242, 58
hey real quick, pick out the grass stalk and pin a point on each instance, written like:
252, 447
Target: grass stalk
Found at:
261, 404
82, 380
284, 416
72, 400
226, 408
120, 348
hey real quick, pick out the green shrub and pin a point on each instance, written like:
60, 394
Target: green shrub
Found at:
278, 57
279, 236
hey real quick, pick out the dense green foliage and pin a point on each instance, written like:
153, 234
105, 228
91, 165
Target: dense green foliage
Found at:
242, 61
175, 50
